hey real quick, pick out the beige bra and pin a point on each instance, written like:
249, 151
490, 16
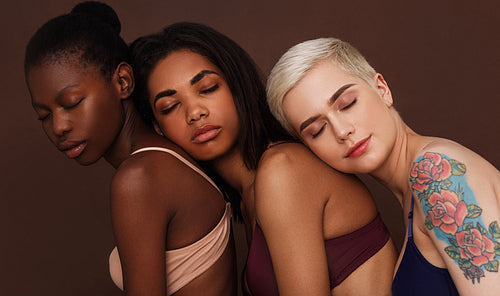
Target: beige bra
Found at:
185, 264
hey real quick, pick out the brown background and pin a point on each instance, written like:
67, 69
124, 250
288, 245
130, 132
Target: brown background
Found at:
440, 58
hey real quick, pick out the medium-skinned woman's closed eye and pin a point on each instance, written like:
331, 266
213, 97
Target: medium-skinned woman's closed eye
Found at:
169, 108
210, 89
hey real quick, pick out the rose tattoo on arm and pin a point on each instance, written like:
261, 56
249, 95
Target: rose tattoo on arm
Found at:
452, 211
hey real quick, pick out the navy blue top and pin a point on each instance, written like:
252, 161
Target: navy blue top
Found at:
416, 276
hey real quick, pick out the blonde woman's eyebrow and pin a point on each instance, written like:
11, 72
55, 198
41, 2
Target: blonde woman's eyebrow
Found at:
332, 100
307, 122
339, 92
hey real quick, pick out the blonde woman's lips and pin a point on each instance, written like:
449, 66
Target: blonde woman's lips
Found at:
358, 148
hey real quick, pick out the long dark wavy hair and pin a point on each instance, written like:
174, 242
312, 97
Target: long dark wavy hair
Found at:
258, 126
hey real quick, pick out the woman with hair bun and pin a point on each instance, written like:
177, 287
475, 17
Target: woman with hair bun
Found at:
171, 223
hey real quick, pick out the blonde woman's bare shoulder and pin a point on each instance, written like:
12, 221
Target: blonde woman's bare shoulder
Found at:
455, 151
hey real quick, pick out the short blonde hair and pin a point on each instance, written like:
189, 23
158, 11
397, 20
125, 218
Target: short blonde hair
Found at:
299, 59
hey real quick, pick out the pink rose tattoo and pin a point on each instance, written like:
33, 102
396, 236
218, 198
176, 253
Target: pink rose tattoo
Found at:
447, 212
432, 168
479, 249
453, 214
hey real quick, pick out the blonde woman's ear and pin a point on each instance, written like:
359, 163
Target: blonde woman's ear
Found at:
383, 89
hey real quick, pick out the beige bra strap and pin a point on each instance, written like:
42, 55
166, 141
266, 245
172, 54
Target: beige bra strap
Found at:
179, 157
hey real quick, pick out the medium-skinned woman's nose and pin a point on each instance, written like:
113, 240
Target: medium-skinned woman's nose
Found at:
195, 112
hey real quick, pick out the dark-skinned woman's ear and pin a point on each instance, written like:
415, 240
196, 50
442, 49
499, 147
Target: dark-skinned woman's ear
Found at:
125, 76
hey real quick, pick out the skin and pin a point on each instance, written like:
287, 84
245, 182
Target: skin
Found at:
158, 203
175, 104
296, 212
72, 116
362, 117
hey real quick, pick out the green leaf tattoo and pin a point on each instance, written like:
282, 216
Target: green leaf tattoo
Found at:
495, 232
453, 252
474, 211
492, 266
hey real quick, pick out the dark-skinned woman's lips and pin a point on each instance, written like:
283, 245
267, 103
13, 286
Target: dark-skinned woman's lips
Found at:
72, 149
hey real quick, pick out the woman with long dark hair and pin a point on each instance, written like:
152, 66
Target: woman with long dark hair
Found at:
311, 229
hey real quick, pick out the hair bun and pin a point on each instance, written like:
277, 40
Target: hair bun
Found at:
100, 11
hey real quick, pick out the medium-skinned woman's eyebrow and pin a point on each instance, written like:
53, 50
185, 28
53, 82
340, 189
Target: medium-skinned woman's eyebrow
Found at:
162, 94
200, 76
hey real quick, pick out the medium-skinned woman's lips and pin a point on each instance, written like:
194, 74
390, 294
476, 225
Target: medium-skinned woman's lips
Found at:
72, 149
358, 148
205, 133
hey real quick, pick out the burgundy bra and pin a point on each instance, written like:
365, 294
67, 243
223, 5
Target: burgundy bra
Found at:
344, 254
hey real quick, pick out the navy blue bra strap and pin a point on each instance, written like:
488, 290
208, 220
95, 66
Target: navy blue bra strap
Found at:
410, 220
